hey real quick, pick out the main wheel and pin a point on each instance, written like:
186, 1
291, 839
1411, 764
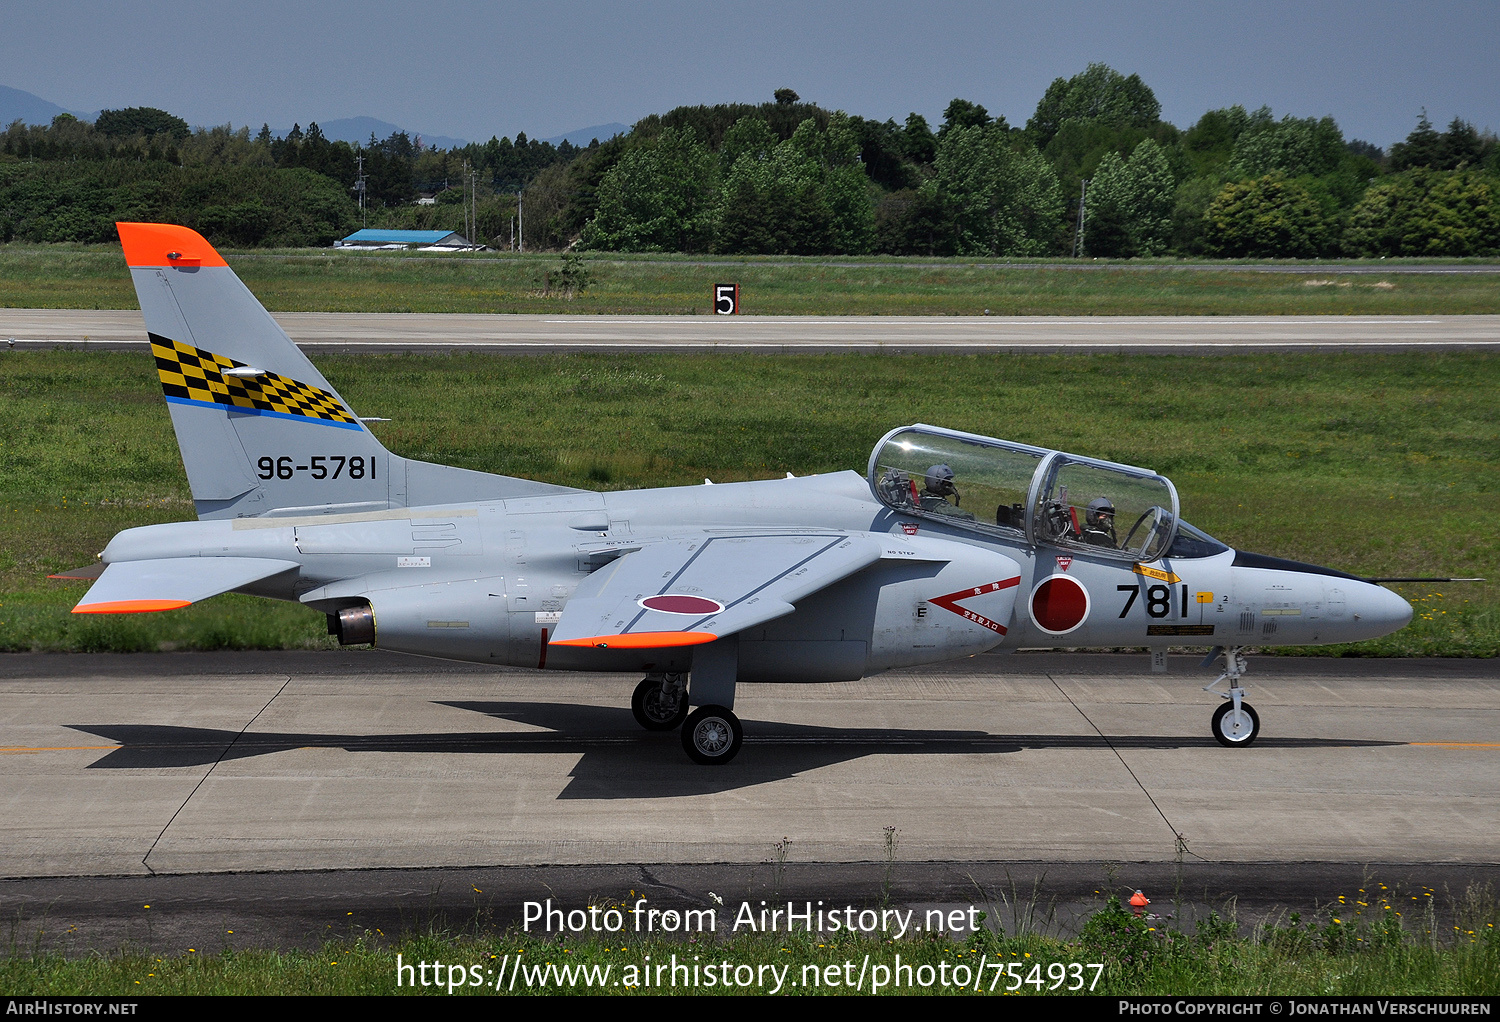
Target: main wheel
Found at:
657, 708
1232, 732
712, 735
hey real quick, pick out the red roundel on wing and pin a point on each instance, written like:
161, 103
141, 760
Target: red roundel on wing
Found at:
682, 605
1059, 604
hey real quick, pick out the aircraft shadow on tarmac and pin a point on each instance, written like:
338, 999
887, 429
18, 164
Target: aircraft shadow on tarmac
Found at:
618, 759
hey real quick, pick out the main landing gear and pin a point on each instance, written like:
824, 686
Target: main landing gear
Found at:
711, 735
660, 702
1235, 722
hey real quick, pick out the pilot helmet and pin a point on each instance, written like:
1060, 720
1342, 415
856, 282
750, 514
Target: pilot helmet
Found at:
940, 481
1100, 506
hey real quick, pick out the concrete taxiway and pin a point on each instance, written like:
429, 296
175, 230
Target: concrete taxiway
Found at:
359, 332
193, 763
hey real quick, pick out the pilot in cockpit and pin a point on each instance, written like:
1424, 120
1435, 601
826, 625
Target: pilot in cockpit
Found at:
937, 487
1099, 523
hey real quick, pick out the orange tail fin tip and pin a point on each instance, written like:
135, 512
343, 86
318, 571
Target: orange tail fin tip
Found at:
166, 245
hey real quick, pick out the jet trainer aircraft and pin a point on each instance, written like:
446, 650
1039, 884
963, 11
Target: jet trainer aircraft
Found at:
952, 544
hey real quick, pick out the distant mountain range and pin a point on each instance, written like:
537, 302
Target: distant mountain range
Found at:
359, 129
583, 136
17, 105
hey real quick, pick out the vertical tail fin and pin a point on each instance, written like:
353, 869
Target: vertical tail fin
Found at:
259, 428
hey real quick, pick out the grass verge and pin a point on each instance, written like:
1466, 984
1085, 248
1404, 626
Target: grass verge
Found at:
1378, 950
95, 277
1381, 465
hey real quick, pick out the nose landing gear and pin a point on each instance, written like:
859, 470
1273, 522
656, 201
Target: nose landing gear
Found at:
1235, 723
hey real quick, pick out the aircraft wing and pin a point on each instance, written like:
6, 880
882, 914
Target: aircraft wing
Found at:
686, 592
134, 587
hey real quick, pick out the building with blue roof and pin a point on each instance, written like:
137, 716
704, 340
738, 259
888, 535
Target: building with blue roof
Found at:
371, 238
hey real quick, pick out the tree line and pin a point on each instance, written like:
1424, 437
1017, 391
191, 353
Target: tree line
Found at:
71, 180
789, 177
1236, 184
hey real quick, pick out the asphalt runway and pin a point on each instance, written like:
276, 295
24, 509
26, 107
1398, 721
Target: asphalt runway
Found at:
190, 763
287, 795
360, 332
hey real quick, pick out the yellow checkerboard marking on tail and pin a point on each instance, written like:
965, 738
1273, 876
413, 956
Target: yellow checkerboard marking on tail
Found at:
197, 375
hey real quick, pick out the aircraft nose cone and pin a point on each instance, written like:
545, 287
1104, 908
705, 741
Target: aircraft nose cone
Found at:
1381, 611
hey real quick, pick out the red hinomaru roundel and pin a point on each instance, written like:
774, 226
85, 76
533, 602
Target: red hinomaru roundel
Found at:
1059, 604
693, 606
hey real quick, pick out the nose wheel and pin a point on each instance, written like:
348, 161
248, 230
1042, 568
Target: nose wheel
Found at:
1235, 722
1235, 726
711, 735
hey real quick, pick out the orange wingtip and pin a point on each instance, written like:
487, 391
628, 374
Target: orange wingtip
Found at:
166, 245
640, 640
130, 606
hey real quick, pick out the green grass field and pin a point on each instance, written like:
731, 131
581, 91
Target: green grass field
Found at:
1374, 464
95, 277
1380, 951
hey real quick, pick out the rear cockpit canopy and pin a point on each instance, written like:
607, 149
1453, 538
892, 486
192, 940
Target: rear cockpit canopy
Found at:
1018, 492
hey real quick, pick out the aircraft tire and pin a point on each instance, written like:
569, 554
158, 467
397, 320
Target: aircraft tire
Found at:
712, 736
653, 711
1227, 734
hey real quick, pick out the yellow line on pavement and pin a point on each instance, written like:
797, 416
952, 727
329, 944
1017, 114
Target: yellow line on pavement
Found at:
22, 750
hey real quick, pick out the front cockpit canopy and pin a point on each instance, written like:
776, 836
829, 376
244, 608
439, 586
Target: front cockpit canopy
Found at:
1016, 491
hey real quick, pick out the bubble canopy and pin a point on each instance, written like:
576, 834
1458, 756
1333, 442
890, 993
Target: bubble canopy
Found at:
1019, 492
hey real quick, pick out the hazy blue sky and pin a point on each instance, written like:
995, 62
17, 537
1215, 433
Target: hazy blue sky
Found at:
473, 69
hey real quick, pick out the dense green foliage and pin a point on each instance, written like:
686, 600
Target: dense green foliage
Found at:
1100, 95
1374, 464
1265, 218
1129, 211
789, 177
1428, 212
805, 195
234, 205
657, 199
140, 120
212, 178
993, 198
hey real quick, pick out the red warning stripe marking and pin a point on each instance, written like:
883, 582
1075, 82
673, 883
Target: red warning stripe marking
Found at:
950, 602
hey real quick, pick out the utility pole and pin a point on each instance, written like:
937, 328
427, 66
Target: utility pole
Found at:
1083, 187
520, 225
359, 187
467, 233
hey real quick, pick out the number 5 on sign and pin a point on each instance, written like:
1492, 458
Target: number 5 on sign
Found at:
727, 299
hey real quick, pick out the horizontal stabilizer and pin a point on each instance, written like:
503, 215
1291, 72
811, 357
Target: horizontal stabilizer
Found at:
88, 572
134, 587
688, 592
